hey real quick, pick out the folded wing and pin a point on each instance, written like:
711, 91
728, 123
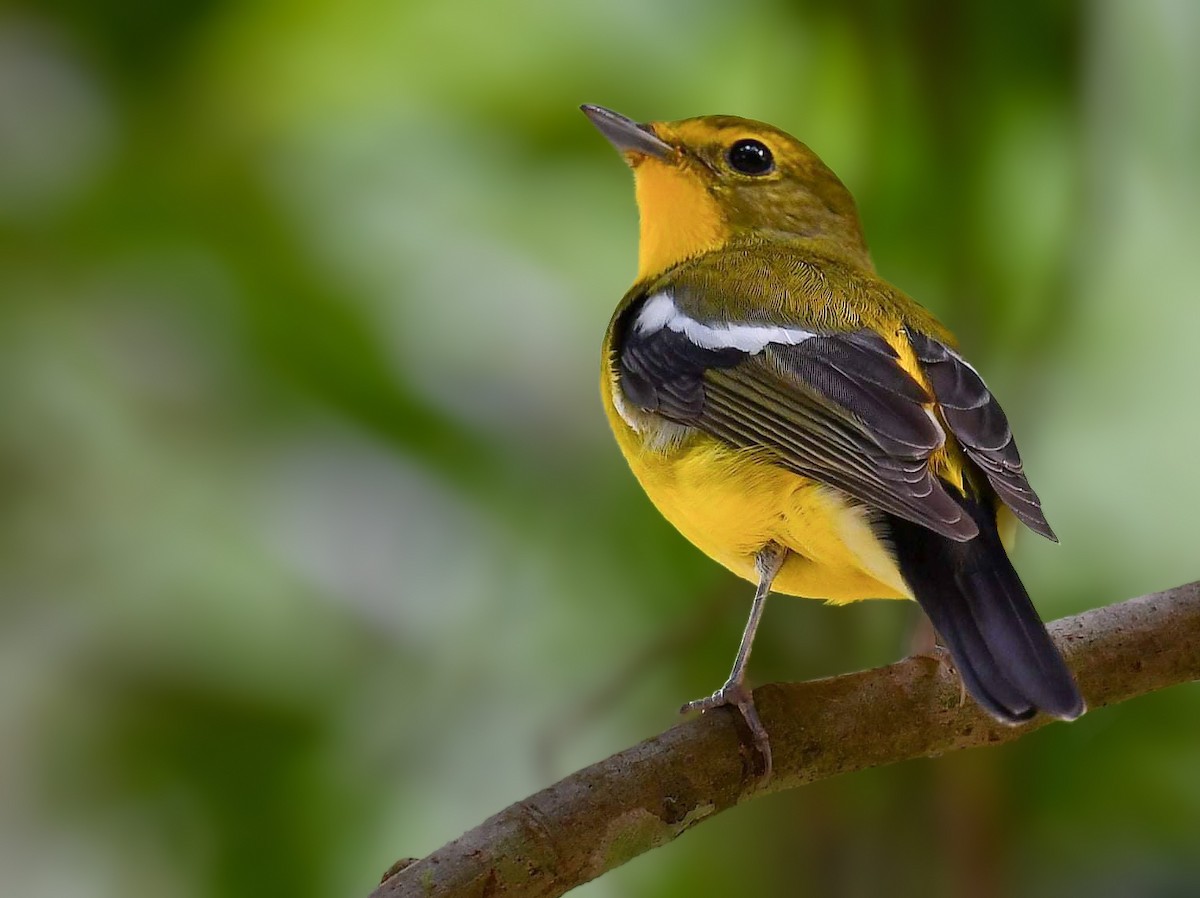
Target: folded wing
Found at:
835, 407
981, 427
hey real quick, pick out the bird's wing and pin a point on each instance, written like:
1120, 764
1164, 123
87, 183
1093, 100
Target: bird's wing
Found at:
981, 427
836, 407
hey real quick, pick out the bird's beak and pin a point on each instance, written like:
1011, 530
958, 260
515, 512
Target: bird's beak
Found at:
626, 134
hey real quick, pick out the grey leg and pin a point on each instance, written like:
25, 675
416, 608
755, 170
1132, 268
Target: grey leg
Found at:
926, 643
769, 560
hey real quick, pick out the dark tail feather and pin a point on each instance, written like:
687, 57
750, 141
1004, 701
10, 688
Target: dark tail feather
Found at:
983, 613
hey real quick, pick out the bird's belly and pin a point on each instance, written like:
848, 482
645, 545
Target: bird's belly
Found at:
730, 503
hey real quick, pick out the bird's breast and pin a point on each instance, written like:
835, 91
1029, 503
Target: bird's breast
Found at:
731, 502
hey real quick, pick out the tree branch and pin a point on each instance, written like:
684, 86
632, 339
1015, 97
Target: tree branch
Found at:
606, 814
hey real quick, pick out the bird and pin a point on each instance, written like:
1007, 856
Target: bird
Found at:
806, 424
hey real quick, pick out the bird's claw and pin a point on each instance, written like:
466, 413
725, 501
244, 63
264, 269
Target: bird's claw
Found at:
940, 655
736, 694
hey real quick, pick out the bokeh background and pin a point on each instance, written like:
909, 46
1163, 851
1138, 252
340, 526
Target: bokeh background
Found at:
314, 548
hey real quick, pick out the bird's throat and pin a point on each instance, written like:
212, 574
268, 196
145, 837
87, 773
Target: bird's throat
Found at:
680, 219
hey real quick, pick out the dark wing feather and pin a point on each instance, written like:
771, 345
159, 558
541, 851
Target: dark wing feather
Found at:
979, 606
981, 427
837, 408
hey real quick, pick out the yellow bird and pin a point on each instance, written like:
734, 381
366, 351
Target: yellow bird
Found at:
806, 424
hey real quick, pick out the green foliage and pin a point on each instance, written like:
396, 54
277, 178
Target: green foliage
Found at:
312, 532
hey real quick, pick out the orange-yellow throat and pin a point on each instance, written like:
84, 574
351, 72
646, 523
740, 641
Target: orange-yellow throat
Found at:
679, 217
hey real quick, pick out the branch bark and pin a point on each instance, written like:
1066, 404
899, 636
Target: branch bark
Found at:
602, 816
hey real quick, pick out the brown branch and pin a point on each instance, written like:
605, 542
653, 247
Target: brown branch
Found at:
606, 814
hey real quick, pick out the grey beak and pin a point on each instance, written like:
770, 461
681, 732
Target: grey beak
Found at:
626, 134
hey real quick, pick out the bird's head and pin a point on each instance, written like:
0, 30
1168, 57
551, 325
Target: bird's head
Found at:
704, 182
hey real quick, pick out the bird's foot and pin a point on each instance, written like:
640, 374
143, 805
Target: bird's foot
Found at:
940, 655
924, 644
735, 693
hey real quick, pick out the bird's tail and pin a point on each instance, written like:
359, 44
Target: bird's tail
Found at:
984, 616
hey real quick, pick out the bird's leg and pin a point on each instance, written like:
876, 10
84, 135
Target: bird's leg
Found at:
923, 639
924, 643
768, 562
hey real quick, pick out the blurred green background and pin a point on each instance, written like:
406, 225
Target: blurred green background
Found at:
314, 547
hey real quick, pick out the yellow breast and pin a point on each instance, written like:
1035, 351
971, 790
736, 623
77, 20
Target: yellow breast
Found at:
730, 503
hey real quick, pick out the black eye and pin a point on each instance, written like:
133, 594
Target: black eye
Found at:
750, 157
